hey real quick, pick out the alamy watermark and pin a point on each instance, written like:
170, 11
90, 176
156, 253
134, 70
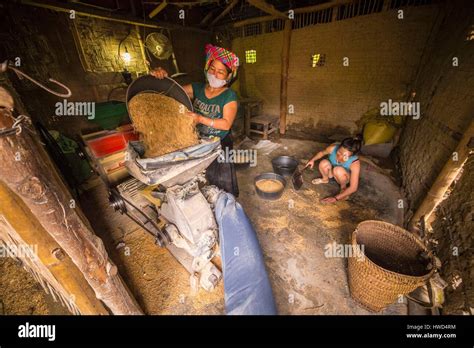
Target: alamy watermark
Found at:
67, 108
394, 108
344, 251
238, 156
37, 331
19, 251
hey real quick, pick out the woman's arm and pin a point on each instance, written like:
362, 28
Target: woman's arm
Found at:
161, 73
319, 155
224, 123
354, 181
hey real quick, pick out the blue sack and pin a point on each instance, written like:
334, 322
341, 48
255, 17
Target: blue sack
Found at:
247, 289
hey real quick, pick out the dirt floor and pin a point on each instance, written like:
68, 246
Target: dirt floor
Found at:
21, 294
293, 239
159, 283
292, 236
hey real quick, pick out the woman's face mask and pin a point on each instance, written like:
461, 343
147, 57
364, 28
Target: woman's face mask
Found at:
214, 82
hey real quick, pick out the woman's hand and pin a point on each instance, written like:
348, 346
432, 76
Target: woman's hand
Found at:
159, 73
196, 117
309, 164
329, 200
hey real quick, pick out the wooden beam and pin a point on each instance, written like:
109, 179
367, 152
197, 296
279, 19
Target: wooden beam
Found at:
265, 7
297, 11
28, 171
158, 9
207, 18
324, 6
445, 178
183, 3
285, 59
19, 227
253, 21
226, 11
107, 16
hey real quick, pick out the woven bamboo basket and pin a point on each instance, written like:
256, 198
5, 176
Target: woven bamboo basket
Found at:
391, 262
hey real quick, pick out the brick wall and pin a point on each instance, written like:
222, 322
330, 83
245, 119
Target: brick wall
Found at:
447, 104
383, 52
261, 79
189, 51
100, 40
453, 229
447, 107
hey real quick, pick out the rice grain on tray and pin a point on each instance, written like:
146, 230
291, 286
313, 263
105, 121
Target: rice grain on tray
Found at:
162, 127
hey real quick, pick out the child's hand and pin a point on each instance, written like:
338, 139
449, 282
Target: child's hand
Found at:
309, 164
329, 200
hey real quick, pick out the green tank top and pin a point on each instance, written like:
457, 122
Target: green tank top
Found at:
212, 108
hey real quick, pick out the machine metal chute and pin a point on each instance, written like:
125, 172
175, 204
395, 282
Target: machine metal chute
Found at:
168, 195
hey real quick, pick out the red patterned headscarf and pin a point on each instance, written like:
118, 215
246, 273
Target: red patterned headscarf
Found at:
227, 58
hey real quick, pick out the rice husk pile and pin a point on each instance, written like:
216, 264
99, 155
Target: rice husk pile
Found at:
162, 127
269, 185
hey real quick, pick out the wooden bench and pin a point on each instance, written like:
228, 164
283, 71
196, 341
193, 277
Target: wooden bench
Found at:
251, 107
264, 125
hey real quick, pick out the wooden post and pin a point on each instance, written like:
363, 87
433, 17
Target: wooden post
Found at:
285, 59
445, 178
19, 227
27, 170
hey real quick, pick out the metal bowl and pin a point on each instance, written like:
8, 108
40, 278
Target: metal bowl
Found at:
270, 195
166, 86
284, 165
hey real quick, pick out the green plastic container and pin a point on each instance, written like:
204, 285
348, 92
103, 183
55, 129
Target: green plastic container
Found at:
109, 115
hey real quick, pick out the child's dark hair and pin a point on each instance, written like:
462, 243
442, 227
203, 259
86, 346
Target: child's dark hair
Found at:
352, 144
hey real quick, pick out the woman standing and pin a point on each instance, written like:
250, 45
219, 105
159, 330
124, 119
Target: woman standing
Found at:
216, 108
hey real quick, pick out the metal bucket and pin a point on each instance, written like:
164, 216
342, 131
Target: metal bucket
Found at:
284, 165
270, 195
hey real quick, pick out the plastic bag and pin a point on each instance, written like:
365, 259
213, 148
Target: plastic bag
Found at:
378, 132
378, 129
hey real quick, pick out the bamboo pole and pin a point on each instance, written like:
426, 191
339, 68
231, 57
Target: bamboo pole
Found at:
28, 171
285, 59
445, 178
